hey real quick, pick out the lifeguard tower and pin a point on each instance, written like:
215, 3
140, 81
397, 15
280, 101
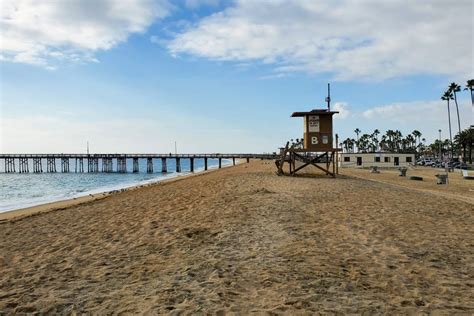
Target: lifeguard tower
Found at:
317, 147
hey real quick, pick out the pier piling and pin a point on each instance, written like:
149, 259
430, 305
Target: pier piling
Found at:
23, 165
135, 165
81, 165
233, 161
9, 165
220, 162
107, 165
64, 165
51, 164
164, 168
191, 164
205, 163
92, 165
121, 164
149, 165
178, 164
248, 160
37, 168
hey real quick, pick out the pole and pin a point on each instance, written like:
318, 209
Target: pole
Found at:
440, 159
175, 148
328, 98
335, 157
87, 147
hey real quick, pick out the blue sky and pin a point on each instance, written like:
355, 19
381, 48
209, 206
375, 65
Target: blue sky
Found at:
223, 76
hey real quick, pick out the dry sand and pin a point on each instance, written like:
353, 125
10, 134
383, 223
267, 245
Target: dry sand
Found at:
244, 240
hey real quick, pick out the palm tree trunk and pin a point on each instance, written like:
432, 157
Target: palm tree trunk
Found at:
457, 110
450, 134
472, 96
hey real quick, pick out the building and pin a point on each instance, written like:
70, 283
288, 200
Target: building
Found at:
380, 160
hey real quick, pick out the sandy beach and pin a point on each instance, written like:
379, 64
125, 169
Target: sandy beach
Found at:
242, 240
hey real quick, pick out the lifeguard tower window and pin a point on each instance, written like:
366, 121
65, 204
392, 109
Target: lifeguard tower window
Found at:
408, 159
376, 159
347, 159
386, 159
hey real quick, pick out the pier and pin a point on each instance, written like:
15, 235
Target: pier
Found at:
105, 162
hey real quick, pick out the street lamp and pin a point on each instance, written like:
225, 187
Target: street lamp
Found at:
440, 145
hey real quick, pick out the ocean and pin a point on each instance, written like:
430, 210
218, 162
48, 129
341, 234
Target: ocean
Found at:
19, 190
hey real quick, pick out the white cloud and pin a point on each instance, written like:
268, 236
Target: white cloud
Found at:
425, 116
417, 112
352, 39
45, 32
343, 109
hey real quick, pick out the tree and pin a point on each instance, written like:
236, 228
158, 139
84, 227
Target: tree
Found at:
470, 87
446, 97
347, 145
375, 139
408, 142
454, 87
417, 134
398, 139
364, 142
390, 139
357, 131
383, 143
465, 140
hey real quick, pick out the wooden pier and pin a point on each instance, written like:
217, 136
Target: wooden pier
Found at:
105, 162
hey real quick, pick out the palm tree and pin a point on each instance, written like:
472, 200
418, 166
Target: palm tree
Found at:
357, 131
417, 134
398, 139
347, 143
465, 140
383, 143
470, 87
410, 140
446, 97
376, 139
389, 134
454, 87
364, 141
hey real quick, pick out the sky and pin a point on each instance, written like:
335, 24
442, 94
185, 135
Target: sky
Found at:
224, 76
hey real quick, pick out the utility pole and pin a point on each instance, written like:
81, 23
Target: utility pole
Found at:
328, 98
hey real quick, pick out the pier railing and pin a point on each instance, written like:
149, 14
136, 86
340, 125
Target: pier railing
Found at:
92, 161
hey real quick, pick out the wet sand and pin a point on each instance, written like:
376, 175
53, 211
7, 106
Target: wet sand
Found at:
242, 239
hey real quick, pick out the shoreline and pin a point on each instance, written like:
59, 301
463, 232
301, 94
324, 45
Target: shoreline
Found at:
20, 213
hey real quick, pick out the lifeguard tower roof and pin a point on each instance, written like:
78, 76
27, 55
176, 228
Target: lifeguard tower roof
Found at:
314, 112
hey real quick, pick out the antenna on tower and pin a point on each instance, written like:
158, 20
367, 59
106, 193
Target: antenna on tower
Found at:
328, 98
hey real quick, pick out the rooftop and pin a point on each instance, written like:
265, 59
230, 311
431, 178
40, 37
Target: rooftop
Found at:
314, 112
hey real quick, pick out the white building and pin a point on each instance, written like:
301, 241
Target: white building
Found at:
381, 160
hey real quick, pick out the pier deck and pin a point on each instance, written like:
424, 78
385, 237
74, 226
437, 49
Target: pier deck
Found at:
104, 162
